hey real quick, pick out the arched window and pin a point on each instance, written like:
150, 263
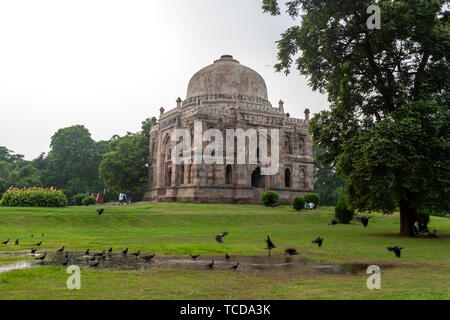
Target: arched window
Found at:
182, 174
301, 146
169, 177
190, 174
257, 178
302, 178
287, 178
228, 174
287, 145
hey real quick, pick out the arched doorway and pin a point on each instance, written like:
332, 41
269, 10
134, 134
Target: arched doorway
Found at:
182, 175
287, 178
228, 174
168, 177
257, 179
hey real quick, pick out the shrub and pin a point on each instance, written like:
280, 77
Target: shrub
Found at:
312, 197
33, 197
77, 200
299, 203
87, 201
344, 213
270, 198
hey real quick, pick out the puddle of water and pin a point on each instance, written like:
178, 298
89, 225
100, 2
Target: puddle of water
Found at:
246, 263
16, 266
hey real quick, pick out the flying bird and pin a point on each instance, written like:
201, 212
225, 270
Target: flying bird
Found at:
220, 236
397, 250
270, 244
235, 266
291, 251
194, 257
333, 222
100, 211
60, 250
5, 242
41, 257
227, 256
365, 221
318, 241
210, 265
17, 242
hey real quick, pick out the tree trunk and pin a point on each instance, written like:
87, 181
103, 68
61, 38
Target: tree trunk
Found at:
407, 219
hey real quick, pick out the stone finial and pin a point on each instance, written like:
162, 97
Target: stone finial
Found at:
179, 101
281, 105
153, 121
288, 115
161, 111
307, 114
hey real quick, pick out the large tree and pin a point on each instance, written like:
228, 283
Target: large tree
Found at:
387, 129
125, 167
73, 161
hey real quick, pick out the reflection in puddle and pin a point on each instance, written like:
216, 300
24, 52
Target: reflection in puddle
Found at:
246, 263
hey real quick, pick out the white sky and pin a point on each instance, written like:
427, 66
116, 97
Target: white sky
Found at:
108, 65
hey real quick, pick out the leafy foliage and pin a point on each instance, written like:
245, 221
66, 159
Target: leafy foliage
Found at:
343, 212
326, 182
77, 200
125, 167
269, 197
33, 197
299, 203
87, 201
312, 197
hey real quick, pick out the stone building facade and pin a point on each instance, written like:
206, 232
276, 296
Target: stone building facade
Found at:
228, 95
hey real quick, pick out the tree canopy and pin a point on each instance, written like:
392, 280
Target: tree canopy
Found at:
125, 167
387, 129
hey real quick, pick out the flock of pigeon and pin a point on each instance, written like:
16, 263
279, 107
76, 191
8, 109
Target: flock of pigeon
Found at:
96, 258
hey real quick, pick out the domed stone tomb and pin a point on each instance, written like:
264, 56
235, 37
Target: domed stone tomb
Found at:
227, 95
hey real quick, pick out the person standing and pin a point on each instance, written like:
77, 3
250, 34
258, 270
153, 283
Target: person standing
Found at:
128, 197
121, 195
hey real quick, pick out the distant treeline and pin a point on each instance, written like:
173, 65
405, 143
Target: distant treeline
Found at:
78, 164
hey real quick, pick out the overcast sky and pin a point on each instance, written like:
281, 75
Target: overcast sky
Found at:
108, 65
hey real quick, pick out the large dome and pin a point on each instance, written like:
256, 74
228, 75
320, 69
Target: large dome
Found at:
227, 76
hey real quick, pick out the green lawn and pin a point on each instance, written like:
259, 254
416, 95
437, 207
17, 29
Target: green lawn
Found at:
181, 229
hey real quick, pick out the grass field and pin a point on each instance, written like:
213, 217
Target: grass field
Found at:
179, 229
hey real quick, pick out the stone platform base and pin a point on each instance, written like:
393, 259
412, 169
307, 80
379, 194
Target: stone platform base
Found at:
239, 195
